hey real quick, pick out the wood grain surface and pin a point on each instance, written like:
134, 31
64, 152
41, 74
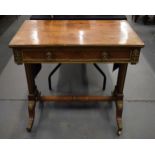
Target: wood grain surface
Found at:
34, 33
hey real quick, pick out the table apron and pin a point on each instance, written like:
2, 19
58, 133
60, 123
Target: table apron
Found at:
76, 55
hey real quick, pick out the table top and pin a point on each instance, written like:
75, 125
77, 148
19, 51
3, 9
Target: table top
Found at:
45, 33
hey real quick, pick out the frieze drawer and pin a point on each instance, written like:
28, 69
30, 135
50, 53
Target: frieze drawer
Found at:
89, 54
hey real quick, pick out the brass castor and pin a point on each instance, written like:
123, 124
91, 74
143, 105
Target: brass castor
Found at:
119, 132
28, 129
30, 124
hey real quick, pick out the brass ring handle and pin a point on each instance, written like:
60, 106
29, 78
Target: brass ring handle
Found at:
49, 55
105, 55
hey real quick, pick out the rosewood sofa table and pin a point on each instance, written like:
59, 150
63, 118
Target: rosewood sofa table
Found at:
75, 41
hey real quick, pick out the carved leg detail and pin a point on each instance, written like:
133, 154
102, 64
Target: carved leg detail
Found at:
119, 111
34, 95
31, 110
118, 93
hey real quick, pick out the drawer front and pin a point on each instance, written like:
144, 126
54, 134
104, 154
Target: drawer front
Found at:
79, 55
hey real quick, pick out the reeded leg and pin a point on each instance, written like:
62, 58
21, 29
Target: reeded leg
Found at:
31, 110
118, 93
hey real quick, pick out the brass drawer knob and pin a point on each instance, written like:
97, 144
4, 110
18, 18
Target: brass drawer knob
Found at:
49, 55
105, 56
